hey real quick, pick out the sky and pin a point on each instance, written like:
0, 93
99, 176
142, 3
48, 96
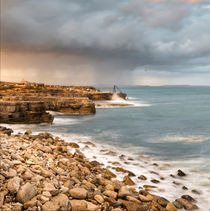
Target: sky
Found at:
94, 42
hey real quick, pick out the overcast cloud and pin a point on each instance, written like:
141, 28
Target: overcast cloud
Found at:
150, 42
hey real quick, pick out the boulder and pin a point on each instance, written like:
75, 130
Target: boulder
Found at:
123, 192
110, 193
99, 199
170, 207
58, 203
49, 187
13, 185
128, 181
78, 193
26, 192
78, 205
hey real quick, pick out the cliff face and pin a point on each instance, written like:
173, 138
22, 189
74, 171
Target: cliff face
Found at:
24, 112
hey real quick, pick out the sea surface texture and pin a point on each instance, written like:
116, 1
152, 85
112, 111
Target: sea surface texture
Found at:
167, 125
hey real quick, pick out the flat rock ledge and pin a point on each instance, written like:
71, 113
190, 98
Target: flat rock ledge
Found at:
42, 173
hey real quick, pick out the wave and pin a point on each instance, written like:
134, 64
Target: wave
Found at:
187, 139
119, 102
66, 121
140, 164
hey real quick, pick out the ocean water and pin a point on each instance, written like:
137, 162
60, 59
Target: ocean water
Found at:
168, 126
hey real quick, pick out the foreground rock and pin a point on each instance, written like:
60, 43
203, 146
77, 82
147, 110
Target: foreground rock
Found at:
39, 172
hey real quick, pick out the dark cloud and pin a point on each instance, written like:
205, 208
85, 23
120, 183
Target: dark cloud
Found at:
104, 40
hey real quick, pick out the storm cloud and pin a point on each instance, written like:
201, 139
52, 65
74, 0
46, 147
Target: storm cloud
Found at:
93, 42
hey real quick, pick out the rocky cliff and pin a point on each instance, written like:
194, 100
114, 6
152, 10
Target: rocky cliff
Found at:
18, 101
26, 112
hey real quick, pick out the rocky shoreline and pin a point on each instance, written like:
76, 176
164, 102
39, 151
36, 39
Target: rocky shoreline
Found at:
40, 172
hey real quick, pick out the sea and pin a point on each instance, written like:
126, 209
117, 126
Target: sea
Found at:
165, 129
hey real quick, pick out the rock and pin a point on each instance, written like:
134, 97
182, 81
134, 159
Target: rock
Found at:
188, 198
9, 174
91, 206
142, 177
109, 187
181, 173
196, 192
13, 185
144, 198
128, 181
50, 206
27, 175
49, 187
31, 203
177, 205
155, 181
78, 193
99, 199
28, 112
26, 193
73, 145
28, 132
162, 201
78, 205
132, 206
185, 204
133, 199
58, 203
123, 192
108, 174
170, 207
1, 198
110, 193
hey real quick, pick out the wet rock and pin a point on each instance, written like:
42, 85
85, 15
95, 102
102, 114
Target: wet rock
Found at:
13, 185
184, 188
110, 193
78, 193
133, 199
108, 174
144, 198
187, 205
155, 181
132, 206
177, 205
26, 193
181, 173
73, 145
28, 132
123, 192
170, 207
188, 198
142, 177
111, 153
162, 201
128, 181
196, 192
